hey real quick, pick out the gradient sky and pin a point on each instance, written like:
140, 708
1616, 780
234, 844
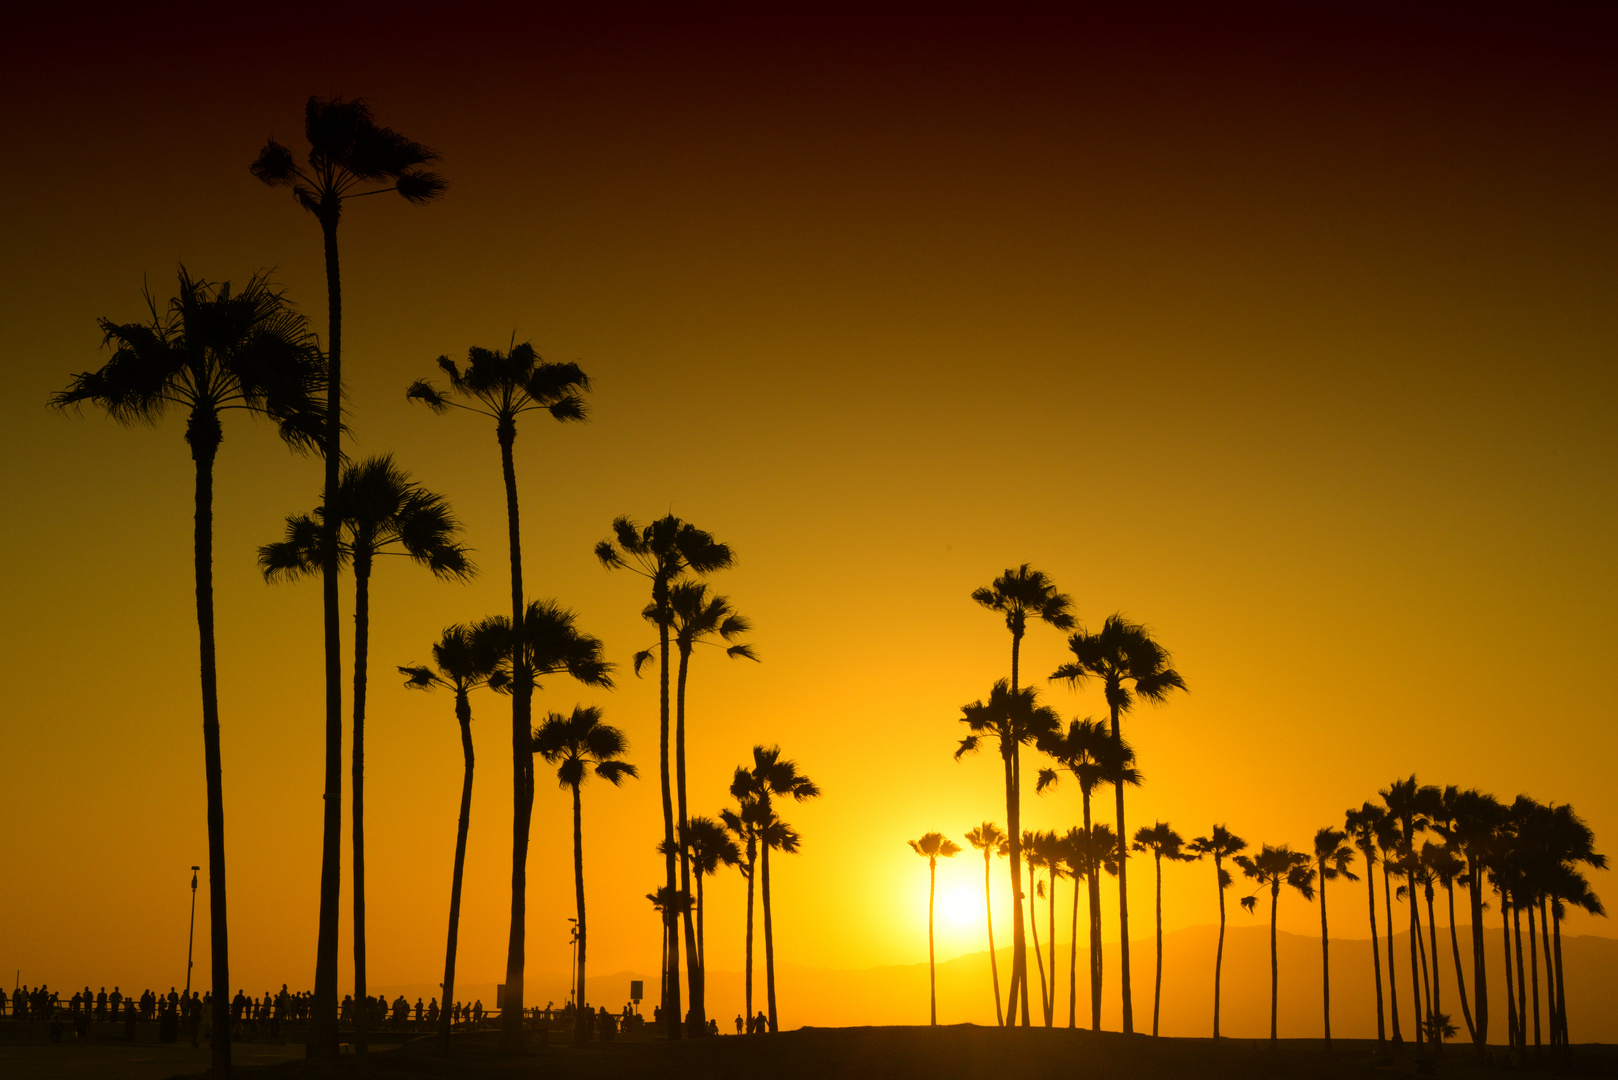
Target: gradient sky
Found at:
1293, 340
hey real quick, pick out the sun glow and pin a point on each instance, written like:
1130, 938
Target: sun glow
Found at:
959, 906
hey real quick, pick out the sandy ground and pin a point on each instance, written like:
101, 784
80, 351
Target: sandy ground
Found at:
962, 1052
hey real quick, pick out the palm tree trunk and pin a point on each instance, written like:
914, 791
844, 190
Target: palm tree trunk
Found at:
1416, 968
702, 933
769, 947
1050, 925
1438, 990
1393, 974
1275, 970
752, 877
1093, 876
323, 1009
1157, 988
1123, 901
1019, 950
1533, 971
1512, 1025
1480, 980
672, 1013
1073, 961
463, 714
1522, 989
581, 1028
1219, 953
1561, 989
1325, 958
1455, 950
1421, 947
1039, 961
932, 971
1550, 982
203, 450
362, 634
699, 1017
522, 762
1376, 953
994, 966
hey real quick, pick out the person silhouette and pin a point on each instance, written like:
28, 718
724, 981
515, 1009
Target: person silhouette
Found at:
761, 1022
738, 1023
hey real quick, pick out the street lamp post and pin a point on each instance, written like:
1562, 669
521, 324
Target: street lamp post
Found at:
191, 940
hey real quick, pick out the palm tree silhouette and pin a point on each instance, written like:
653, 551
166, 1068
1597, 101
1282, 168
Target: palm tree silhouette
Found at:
1472, 819
1036, 853
1273, 867
1012, 719
706, 843
1073, 857
771, 777
1122, 652
1386, 829
381, 511
503, 386
1018, 594
1094, 756
744, 823
1566, 843
931, 846
1361, 827
1332, 859
349, 157
661, 552
988, 838
1222, 844
1164, 843
213, 349
1091, 852
465, 658
1443, 866
1405, 800
579, 745
669, 904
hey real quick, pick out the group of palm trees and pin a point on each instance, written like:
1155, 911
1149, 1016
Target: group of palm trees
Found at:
214, 348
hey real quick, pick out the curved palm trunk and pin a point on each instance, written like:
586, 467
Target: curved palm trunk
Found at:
1561, 990
1376, 952
1533, 970
1093, 875
1157, 991
699, 1016
1455, 950
1219, 954
1123, 901
994, 967
522, 764
1073, 962
1417, 966
702, 932
1438, 990
932, 971
1050, 923
1480, 980
752, 877
203, 451
1421, 947
1039, 961
1275, 970
769, 947
672, 1012
1522, 990
581, 1029
1325, 959
463, 714
323, 1009
1551, 1003
1019, 944
1512, 1025
362, 635
1393, 974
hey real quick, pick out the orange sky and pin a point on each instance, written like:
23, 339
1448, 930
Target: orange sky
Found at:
1293, 341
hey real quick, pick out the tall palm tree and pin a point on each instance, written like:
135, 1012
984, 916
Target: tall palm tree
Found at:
745, 822
1360, 826
708, 846
1443, 866
1164, 843
1094, 756
1472, 820
1074, 847
1019, 594
381, 511
931, 846
1036, 853
1123, 652
773, 777
503, 386
669, 905
1222, 844
1386, 829
465, 657
1091, 852
1405, 800
211, 350
578, 745
350, 156
1012, 718
661, 552
988, 838
1272, 868
1053, 851
1332, 859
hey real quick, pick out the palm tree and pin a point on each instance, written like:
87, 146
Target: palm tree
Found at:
661, 552
465, 658
1444, 866
1386, 828
1472, 819
988, 838
669, 904
1123, 652
1036, 854
1094, 756
1053, 852
1164, 843
1012, 718
1332, 859
745, 823
1360, 826
349, 157
1273, 867
931, 846
772, 777
706, 843
1074, 847
1405, 801
1222, 844
1093, 851
1017, 595
579, 745
381, 511
211, 350
503, 386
